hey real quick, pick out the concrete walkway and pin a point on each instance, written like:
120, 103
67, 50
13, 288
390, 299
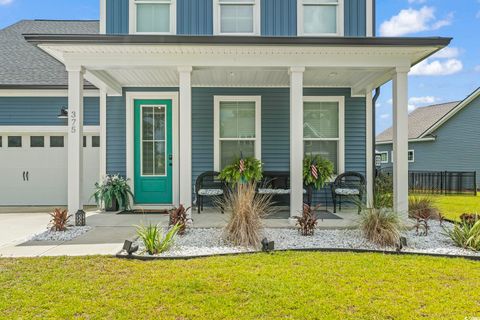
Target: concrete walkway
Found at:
110, 230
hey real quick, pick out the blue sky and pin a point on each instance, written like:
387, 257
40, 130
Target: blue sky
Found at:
451, 75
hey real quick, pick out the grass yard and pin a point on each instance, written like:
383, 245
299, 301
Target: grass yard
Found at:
278, 286
453, 206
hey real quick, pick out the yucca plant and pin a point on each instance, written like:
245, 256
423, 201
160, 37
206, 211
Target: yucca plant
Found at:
381, 226
466, 234
113, 188
59, 221
153, 239
248, 208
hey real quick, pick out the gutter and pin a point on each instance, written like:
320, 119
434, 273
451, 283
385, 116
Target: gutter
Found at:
409, 140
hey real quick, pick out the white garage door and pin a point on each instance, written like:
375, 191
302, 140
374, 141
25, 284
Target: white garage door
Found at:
33, 169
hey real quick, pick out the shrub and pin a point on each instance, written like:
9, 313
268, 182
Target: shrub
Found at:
422, 209
323, 167
178, 216
59, 220
469, 218
234, 173
153, 239
113, 188
308, 221
383, 191
466, 234
381, 226
248, 208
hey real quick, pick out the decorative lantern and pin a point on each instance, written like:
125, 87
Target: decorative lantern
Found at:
80, 218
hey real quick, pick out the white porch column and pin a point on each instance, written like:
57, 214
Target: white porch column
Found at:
296, 140
185, 75
400, 140
75, 138
370, 175
103, 133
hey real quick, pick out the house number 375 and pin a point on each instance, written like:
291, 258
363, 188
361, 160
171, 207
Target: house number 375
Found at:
73, 121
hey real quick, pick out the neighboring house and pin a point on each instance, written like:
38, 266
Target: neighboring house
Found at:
186, 85
443, 137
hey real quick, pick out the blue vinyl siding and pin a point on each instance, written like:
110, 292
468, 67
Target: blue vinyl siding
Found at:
43, 111
117, 16
278, 17
195, 17
355, 18
456, 147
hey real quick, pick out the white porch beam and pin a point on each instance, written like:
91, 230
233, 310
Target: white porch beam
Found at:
400, 141
185, 88
104, 81
369, 146
103, 134
75, 138
296, 140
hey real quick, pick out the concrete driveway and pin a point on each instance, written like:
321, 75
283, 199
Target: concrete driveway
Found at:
16, 227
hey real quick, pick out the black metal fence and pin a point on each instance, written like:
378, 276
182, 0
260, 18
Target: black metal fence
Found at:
440, 182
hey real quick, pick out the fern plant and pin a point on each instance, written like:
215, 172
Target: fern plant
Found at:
153, 239
113, 188
324, 169
252, 171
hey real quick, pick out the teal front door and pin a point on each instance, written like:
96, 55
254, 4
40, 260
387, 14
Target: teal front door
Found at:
153, 152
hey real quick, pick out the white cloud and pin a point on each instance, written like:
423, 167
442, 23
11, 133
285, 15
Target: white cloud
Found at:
5, 2
417, 1
422, 100
477, 68
447, 53
430, 67
412, 21
384, 116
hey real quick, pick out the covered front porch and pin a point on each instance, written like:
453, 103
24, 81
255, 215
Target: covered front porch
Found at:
191, 74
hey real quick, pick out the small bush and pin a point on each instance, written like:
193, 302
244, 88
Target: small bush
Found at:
383, 191
466, 234
59, 221
248, 208
153, 239
308, 221
179, 216
381, 226
422, 209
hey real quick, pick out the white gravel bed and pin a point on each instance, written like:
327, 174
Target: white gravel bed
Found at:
200, 242
70, 234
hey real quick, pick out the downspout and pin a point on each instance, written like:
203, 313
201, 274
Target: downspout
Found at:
374, 135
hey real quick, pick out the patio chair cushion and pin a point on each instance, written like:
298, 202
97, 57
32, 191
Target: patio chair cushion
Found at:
347, 192
276, 191
210, 192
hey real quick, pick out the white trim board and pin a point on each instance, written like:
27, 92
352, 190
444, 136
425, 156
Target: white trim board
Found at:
44, 93
216, 125
103, 16
131, 96
132, 16
45, 129
409, 141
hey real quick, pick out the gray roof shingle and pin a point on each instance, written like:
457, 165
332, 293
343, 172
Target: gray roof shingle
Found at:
23, 64
420, 120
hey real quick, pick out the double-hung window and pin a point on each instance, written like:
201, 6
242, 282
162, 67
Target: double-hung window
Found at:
384, 157
237, 17
153, 16
320, 17
323, 129
237, 126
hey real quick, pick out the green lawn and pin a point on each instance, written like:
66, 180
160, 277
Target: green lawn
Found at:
278, 286
452, 207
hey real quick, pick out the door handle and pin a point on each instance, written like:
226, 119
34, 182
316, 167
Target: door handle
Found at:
27, 176
170, 158
23, 175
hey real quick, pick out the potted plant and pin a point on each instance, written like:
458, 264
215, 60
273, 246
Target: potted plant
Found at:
316, 171
243, 170
114, 193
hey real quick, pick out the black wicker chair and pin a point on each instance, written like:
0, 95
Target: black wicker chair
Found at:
349, 185
208, 185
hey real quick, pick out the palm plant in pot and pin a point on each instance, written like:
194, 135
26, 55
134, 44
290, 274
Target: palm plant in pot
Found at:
114, 193
317, 171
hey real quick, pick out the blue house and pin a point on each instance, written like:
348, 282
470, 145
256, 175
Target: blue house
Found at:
164, 90
441, 137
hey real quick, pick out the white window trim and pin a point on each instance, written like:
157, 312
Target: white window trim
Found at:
340, 20
382, 153
410, 150
341, 127
133, 16
217, 19
216, 121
